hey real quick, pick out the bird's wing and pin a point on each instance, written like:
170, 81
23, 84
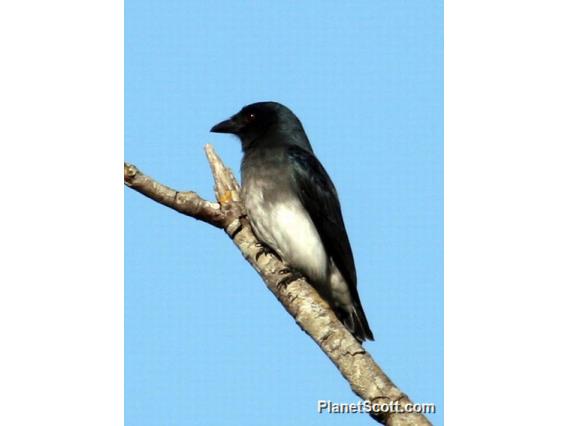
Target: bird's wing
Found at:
319, 198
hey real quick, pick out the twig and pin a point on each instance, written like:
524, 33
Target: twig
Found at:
310, 311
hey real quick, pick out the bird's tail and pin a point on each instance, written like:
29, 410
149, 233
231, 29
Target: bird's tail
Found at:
356, 322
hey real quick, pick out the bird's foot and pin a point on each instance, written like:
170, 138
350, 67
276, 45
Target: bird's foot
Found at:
264, 250
291, 275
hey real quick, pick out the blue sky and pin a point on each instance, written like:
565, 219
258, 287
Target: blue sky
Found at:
205, 341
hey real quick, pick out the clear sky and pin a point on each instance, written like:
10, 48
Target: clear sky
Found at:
205, 341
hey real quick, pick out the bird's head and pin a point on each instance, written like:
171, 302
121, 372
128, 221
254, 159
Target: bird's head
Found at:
260, 119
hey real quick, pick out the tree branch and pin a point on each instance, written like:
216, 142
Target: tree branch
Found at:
310, 311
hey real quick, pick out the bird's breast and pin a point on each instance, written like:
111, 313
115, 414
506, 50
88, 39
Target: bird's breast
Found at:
280, 221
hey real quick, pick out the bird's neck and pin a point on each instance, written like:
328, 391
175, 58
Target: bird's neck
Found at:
277, 137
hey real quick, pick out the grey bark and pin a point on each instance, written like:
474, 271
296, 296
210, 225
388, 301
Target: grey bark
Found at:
310, 311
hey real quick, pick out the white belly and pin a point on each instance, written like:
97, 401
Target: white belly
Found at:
288, 229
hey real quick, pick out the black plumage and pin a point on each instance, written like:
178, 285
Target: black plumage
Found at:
294, 208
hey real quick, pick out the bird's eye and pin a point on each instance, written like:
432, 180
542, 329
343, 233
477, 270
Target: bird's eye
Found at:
251, 117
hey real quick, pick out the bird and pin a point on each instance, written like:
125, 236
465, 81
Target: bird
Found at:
293, 206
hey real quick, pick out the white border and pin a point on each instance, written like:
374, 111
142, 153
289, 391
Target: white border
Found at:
506, 211
61, 231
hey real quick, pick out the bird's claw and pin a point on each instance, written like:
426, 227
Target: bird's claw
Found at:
291, 275
264, 250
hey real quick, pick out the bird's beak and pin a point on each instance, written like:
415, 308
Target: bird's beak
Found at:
227, 126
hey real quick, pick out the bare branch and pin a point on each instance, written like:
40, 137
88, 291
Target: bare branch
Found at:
310, 311
188, 203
